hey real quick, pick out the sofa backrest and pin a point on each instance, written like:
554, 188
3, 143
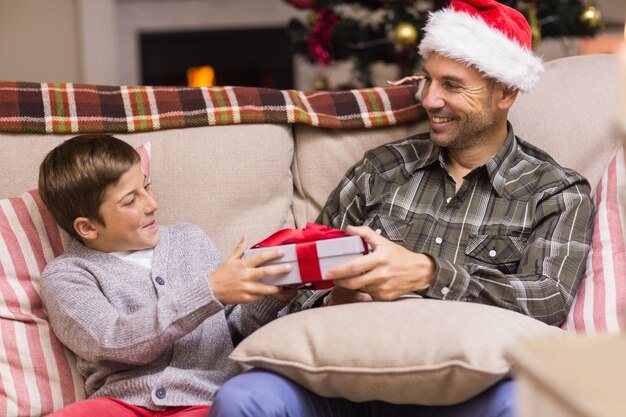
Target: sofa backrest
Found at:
573, 113
210, 176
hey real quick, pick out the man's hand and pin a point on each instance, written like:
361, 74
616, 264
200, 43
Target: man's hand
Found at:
236, 280
387, 273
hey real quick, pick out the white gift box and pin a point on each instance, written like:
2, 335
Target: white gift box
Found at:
330, 253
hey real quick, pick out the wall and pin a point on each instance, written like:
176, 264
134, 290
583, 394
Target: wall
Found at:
98, 41
613, 11
39, 40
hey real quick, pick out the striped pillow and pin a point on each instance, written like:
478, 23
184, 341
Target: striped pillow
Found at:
37, 373
600, 304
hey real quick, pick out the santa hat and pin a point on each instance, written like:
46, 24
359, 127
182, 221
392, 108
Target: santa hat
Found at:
494, 38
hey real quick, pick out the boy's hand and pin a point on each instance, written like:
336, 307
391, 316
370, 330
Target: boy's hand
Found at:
236, 280
287, 292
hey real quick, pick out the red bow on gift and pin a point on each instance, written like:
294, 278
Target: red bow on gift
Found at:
306, 249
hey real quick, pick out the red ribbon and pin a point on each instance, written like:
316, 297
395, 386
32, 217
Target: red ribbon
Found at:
306, 249
310, 233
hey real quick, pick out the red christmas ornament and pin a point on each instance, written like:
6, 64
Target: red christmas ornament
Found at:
320, 39
303, 4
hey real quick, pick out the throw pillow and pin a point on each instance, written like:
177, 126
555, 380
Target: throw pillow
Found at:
37, 373
414, 351
600, 304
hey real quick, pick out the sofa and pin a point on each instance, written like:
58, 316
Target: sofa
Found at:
237, 160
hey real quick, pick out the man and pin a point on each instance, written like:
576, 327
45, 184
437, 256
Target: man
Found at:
466, 212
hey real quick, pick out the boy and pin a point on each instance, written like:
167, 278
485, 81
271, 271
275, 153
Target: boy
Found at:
149, 311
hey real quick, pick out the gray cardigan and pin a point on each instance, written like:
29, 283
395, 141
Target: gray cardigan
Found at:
151, 338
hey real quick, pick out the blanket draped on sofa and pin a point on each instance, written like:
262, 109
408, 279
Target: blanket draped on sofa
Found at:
83, 108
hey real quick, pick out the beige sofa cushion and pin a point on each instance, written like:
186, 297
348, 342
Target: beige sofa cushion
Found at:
322, 157
573, 113
222, 187
20, 156
219, 186
413, 351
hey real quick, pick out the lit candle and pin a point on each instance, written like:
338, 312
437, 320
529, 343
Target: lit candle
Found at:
622, 81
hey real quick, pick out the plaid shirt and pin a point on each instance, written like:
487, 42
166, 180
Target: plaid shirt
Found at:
516, 234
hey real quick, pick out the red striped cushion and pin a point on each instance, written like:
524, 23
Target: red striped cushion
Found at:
37, 373
600, 303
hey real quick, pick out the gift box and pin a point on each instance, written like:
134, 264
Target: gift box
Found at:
311, 252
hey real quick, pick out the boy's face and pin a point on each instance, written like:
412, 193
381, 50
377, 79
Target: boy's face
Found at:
129, 212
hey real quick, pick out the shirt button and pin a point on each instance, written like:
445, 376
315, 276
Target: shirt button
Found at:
160, 393
445, 290
438, 240
378, 231
492, 253
160, 280
448, 199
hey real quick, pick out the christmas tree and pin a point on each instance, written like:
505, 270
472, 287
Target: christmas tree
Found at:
369, 31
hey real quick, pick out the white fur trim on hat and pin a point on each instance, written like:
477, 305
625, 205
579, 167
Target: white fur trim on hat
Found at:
458, 35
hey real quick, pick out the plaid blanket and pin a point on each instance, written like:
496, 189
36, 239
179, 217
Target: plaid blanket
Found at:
82, 108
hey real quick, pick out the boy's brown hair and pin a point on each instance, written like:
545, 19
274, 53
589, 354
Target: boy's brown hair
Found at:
74, 176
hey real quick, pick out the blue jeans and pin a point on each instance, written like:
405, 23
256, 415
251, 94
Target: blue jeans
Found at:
260, 393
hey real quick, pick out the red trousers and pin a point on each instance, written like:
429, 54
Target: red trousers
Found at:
112, 407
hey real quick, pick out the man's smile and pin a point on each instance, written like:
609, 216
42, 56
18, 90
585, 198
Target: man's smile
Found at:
439, 119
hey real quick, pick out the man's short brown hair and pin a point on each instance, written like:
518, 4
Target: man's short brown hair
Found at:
74, 176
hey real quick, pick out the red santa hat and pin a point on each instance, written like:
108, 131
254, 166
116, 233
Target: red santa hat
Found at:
494, 38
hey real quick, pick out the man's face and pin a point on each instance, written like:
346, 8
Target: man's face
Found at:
461, 103
129, 212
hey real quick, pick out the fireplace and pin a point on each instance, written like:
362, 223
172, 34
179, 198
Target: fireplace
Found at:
240, 57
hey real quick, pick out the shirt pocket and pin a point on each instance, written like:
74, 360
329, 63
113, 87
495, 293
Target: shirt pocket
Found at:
500, 252
393, 229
